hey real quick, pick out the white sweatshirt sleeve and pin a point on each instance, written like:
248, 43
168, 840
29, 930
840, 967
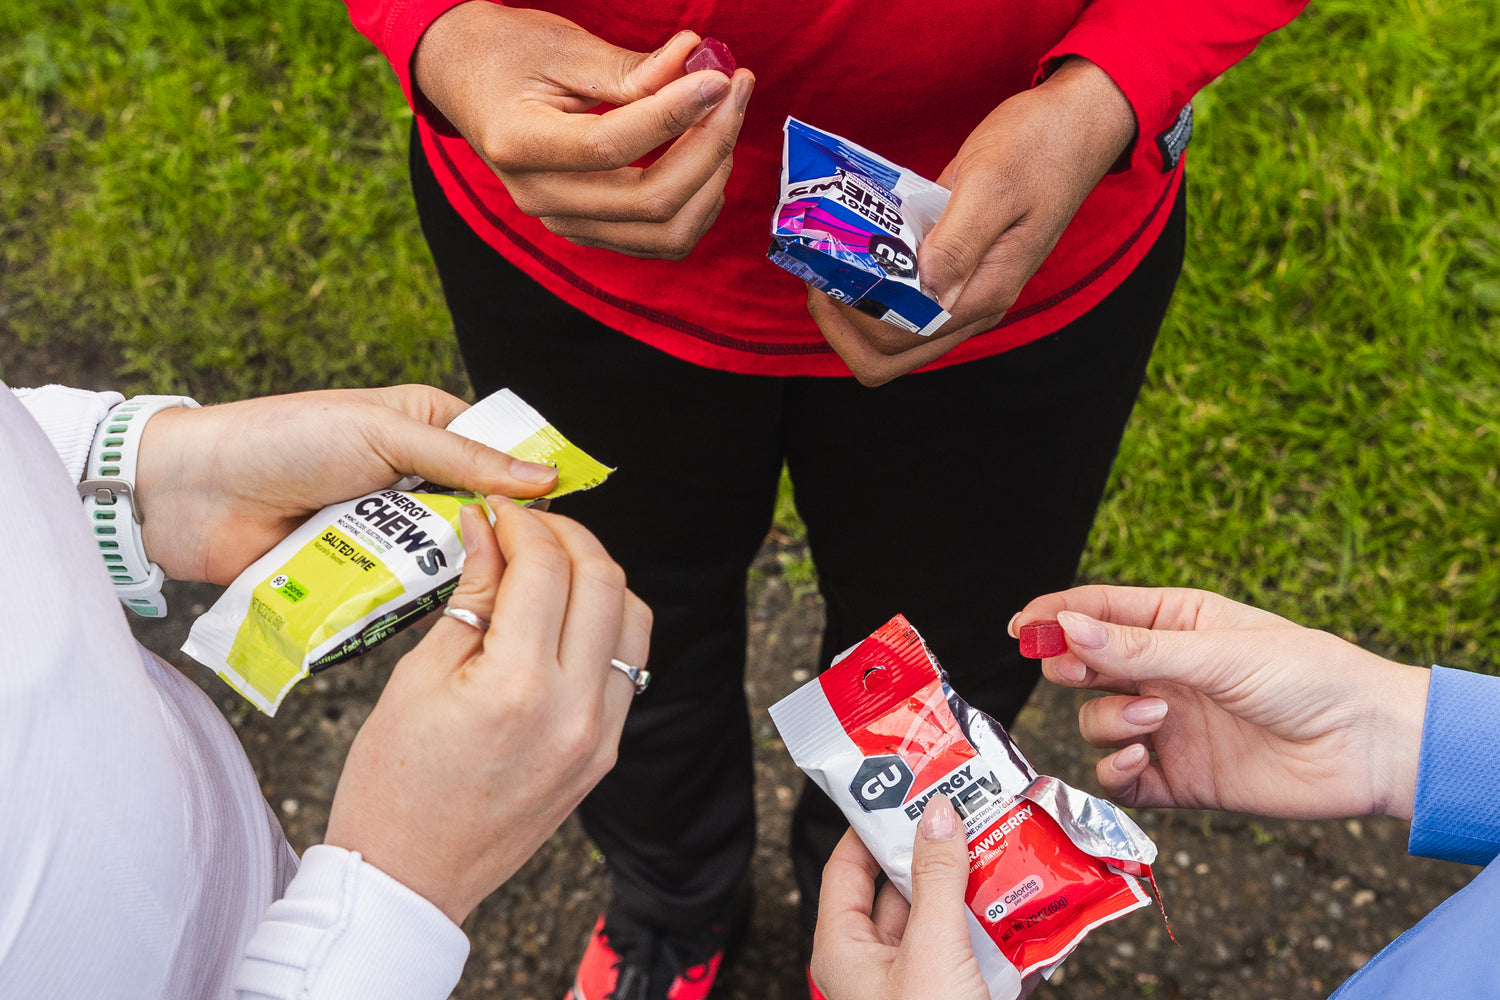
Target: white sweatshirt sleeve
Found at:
346, 929
69, 418
139, 856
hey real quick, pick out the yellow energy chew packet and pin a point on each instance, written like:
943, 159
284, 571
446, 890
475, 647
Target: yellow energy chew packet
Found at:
358, 572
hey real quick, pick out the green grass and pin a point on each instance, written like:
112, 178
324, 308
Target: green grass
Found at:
219, 190
214, 196
1319, 434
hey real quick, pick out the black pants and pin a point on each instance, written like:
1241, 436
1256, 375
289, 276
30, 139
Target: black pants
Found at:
952, 497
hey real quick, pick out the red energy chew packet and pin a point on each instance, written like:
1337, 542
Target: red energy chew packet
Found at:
1042, 639
711, 54
882, 733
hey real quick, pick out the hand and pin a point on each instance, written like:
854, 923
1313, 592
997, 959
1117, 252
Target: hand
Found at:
1017, 182
483, 743
878, 948
219, 486
1243, 710
519, 85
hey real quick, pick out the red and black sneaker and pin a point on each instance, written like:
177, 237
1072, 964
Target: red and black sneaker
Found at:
626, 961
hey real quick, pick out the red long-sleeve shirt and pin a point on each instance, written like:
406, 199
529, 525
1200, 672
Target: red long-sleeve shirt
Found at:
909, 81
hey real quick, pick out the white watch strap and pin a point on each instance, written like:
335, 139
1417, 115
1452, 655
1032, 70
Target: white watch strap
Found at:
108, 492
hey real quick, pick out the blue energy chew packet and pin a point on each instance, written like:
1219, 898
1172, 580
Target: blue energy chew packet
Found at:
849, 223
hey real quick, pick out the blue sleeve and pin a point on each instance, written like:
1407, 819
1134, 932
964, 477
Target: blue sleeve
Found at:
1451, 953
1456, 816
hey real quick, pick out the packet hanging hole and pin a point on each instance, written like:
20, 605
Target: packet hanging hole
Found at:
356, 573
882, 733
849, 223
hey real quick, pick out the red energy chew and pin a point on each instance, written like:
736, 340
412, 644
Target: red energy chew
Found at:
1040, 639
711, 54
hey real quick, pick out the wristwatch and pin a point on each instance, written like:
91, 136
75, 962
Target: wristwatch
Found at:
108, 492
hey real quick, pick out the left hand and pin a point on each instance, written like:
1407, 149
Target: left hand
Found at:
1219, 705
1017, 181
869, 947
219, 486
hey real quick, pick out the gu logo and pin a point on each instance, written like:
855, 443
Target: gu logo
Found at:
881, 783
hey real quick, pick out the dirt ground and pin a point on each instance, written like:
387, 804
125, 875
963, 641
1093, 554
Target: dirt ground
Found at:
1260, 909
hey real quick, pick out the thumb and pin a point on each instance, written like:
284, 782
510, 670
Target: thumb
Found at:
970, 226
646, 74
621, 76
937, 932
439, 456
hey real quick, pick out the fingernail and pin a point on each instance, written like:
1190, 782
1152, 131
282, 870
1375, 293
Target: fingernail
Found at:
712, 91
1010, 627
742, 95
668, 44
1145, 711
939, 821
1130, 758
533, 472
1083, 630
947, 298
1071, 671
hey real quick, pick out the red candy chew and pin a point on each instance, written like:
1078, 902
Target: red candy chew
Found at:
711, 54
1039, 639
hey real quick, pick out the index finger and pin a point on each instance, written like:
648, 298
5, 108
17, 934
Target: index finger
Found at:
951, 256
592, 626
1178, 609
576, 142
532, 599
1141, 607
869, 365
421, 446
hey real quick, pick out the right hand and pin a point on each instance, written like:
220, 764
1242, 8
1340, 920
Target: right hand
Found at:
1244, 710
519, 84
483, 743
872, 945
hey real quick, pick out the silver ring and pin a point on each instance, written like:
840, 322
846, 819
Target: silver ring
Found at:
467, 617
640, 678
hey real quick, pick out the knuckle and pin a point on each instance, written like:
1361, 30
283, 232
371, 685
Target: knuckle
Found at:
949, 256
1137, 643
568, 229
678, 119
546, 555
527, 201
423, 398
655, 205
602, 150
726, 151
475, 455
602, 571
890, 342
639, 610
523, 694
605, 758
679, 242
498, 150
930, 864
580, 740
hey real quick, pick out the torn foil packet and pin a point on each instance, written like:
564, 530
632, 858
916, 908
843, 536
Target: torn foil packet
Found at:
849, 223
357, 572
